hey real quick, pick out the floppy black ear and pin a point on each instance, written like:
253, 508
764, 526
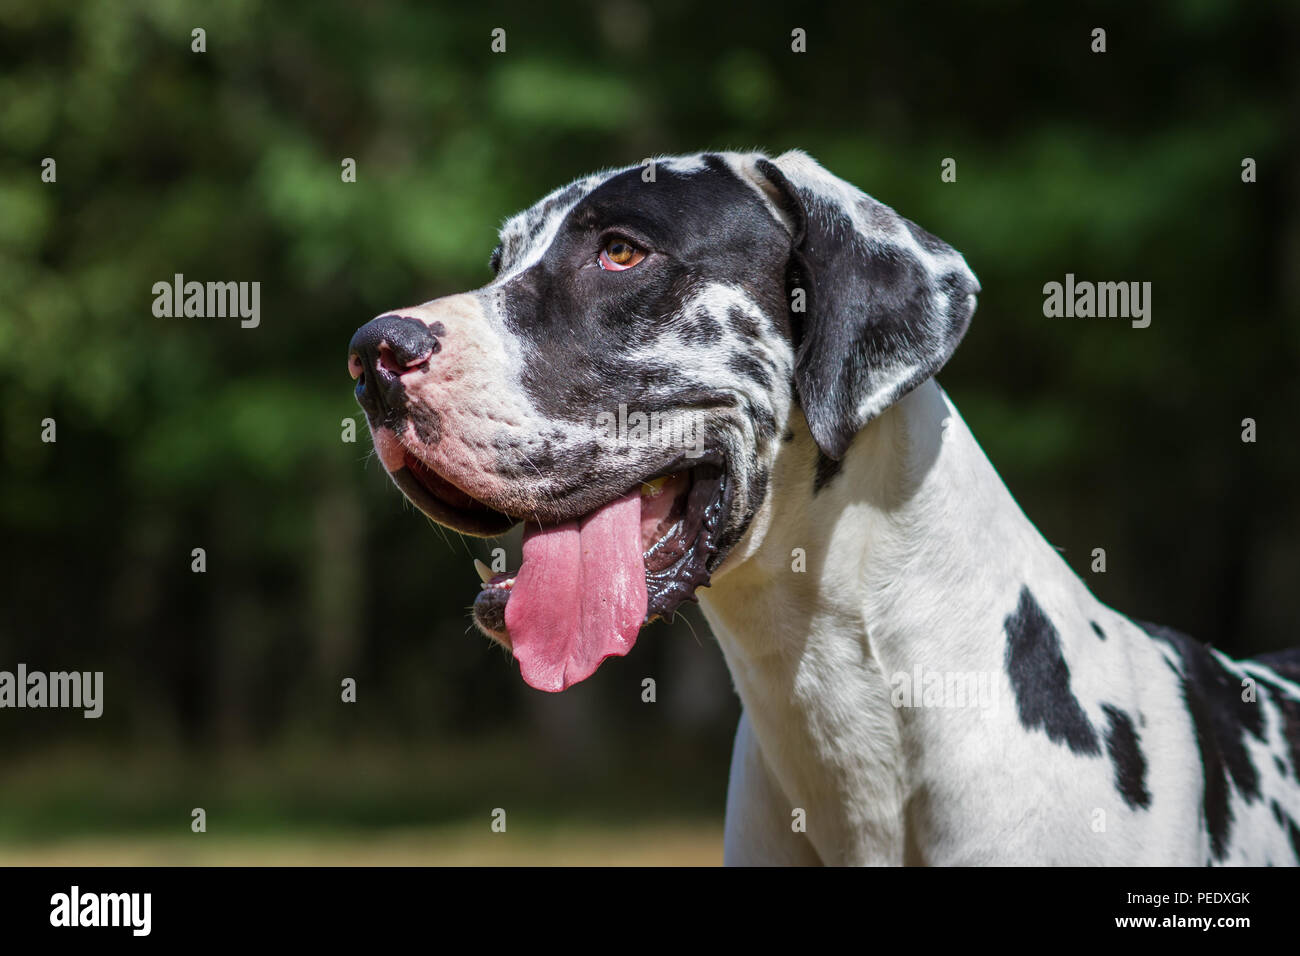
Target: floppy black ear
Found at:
885, 302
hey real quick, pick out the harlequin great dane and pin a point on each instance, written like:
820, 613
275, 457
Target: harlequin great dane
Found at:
855, 553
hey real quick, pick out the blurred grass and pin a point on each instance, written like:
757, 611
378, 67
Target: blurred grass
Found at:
362, 806
465, 844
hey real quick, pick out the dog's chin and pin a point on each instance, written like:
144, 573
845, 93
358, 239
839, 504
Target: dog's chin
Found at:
683, 506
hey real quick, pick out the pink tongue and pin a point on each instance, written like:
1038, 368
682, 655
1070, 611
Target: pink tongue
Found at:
579, 596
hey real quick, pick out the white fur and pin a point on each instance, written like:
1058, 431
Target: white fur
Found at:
915, 556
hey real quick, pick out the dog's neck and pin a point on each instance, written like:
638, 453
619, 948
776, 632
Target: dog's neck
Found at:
853, 584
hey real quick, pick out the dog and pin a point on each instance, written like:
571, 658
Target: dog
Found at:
850, 544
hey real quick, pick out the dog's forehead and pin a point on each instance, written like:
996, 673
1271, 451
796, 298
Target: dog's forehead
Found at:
526, 235
523, 230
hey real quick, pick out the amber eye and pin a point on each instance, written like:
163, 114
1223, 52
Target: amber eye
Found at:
619, 254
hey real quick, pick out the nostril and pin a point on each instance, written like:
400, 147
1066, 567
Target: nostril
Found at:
397, 362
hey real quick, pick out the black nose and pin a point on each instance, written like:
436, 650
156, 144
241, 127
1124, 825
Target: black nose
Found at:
379, 354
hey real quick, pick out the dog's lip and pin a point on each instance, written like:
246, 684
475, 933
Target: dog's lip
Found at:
446, 502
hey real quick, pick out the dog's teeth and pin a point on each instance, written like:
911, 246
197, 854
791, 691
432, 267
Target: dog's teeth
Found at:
650, 489
484, 572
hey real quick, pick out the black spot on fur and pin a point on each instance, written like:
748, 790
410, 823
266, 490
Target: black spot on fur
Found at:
1280, 764
1096, 628
1287, 664
1123, 745
764, 424
650, 377
1289, 826
701, 329
1041, 679
427, 422
1288, 712
1221, 720
827, 469
567, 197
751, 369
744, 325
1214, 799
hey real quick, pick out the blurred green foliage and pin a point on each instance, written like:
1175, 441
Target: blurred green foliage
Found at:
183, 433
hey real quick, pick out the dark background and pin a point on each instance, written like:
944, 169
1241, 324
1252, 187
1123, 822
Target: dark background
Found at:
222, 688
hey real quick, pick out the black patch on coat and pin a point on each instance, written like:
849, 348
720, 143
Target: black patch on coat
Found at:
751, 369
427, 422
1287, 664
1041, 679
1124, 747
1096, 628
827, 469
744, 325
764, 423
648, 377
1221, 720
1288, 710
701, 329
566, 197
1289, 826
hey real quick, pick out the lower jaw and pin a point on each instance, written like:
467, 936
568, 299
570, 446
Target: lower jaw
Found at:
490, 614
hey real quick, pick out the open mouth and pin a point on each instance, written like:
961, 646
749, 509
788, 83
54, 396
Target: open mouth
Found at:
588, 585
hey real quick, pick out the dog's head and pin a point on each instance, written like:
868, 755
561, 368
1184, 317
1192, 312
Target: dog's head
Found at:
624, 384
